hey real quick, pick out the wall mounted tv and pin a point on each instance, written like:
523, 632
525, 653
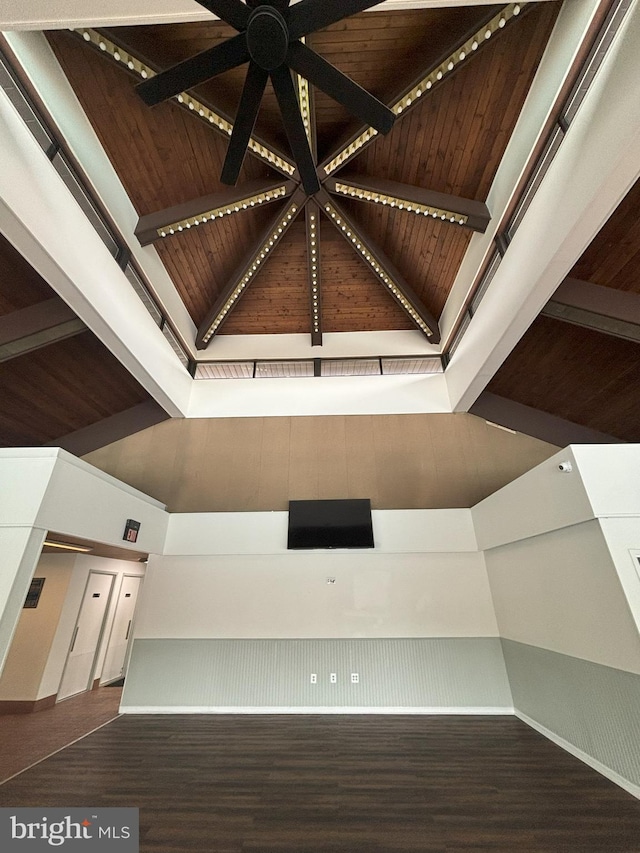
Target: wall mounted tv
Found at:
330, 524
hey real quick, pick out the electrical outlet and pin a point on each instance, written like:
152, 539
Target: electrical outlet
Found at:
355, 678
314, 678
333, 678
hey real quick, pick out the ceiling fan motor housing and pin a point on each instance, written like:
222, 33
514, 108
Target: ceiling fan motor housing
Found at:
267, 37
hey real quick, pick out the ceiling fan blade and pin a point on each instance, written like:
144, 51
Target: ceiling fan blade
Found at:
340, 87
280, 5
254, 85
234, 12
286, 94
311, 15
194, 71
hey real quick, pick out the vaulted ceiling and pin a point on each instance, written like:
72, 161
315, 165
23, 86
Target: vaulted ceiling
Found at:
447, 140
578, 361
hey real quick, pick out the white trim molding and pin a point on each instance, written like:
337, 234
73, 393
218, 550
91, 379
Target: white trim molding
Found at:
587, 759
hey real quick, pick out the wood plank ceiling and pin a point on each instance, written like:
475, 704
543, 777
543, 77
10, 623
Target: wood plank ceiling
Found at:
450, 142
65, 386
581, 374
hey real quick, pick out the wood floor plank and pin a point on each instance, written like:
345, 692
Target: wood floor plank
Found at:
338, 784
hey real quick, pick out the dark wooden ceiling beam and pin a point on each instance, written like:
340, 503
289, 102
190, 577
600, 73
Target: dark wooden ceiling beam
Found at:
306, 99
454, 58
460, 211
312, 214
110, 429
37, 326
500, 411
384, 270
593, 306
113, 46
253, 261
198, 211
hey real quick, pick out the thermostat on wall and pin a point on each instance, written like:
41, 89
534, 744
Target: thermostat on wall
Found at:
131, 530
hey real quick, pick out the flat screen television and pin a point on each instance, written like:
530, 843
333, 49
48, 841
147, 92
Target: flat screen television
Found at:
330, 524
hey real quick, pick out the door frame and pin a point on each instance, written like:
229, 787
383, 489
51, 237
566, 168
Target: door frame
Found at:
127, 654
90, 680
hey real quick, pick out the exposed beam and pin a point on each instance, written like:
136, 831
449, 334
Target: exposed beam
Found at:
249, 267
534, 422
306, 99
386, 273
593, 306
164, 223
294, 128
459, 54
449, 208
40, 15
115, 427
116, 49
312, 214
38, 326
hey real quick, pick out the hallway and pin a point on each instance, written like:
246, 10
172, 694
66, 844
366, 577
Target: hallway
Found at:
26, 739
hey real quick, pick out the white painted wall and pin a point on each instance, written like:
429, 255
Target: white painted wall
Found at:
561, 573
329, 395
55, 491
543, 499
622, 536
334, 345
83, 501
230, 575
374, 595
560, 591
394, 531
611, 477
24, 477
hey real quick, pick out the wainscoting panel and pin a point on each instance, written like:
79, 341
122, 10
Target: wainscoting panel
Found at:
595, 708
424, 673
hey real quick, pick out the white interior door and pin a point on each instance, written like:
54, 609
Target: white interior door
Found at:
78, 671
114, 662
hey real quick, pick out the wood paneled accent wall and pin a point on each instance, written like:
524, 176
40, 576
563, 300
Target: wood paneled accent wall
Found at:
259, 464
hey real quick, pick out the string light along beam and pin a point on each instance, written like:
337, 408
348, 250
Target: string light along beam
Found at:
249, 269
463, 212
313, 272
305, 101
381, 266
437, 74
125, 58
183, 217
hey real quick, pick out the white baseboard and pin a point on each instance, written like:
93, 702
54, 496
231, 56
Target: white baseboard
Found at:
192, 709
601, 768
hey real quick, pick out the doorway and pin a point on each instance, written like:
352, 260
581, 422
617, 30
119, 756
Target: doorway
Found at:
115, 661
80, 665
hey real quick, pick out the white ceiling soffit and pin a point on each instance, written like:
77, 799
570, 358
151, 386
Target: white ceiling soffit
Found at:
58, 14
576, 197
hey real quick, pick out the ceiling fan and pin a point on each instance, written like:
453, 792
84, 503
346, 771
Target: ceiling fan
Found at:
269, 40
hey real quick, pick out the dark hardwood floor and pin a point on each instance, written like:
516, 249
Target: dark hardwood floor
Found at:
337, 784
28, 738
